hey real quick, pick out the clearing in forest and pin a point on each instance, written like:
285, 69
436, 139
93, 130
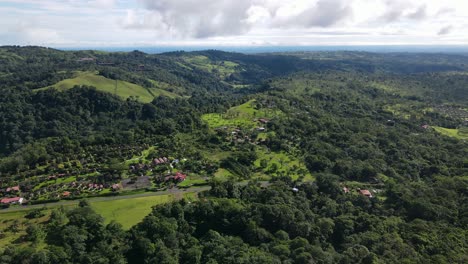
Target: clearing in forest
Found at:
124, 89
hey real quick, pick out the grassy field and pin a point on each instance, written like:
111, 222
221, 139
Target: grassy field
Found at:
242, 116
129, 212
124, 89
451, 132
8, 218
222, 68
165, 89
283, 162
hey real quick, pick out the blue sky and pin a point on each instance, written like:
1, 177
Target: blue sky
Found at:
75, 23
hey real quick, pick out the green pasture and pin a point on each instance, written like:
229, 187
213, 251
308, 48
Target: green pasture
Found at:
220, 68
461, 133
124, 89
129, 212
242, 116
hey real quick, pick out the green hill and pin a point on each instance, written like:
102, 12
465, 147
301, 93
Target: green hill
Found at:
124, 89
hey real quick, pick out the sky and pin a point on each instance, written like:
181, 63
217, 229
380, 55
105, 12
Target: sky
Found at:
85, 23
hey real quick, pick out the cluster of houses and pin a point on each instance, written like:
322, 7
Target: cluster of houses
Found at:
155, 162
14, 190
239, 136
158, 161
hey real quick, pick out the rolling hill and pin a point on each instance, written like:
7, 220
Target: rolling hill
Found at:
122, 89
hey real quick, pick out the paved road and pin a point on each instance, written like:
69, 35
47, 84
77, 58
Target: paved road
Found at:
173, 191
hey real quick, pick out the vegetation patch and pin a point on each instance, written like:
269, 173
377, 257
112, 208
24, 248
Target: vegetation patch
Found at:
281, 163
124, 89
461, 133
129, 212
243, 116
221, 68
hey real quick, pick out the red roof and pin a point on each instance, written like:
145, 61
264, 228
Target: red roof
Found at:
66, 193
366, 193
180, 177
10, 200
14, 188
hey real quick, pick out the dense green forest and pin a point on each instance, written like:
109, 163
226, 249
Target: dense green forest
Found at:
320, 157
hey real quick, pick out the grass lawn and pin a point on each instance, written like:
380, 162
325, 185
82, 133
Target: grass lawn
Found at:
190, 182
58, 181
129, 212
223, 174
7, 219
456, 133
240, 116
143, 156
124, 89
284, 162
221, 68
163, 88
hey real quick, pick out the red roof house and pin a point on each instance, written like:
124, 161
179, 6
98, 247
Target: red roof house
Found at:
66, 194
13, 189
180, 177
14, 200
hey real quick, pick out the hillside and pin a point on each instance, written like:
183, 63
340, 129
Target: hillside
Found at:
328, 157
122, 89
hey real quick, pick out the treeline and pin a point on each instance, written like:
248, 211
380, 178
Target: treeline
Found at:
288, 222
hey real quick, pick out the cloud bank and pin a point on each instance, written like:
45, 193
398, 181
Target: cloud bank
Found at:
233, 22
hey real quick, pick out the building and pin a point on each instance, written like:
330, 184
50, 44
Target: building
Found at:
366, 193
14, 200
345, 189
178, 177
13, 189
263, 120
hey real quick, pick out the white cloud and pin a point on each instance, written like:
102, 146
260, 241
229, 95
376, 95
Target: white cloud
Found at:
245, 22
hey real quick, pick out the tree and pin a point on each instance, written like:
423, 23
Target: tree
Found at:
35, 233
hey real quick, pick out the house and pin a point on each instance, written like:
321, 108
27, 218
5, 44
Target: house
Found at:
13, 189
180, 177
366, 193
66, 194
425, 126
263, 120
115, 187
345, 189
14, 200
261, 129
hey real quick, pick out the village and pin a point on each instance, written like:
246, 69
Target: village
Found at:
88, 177
142, 169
